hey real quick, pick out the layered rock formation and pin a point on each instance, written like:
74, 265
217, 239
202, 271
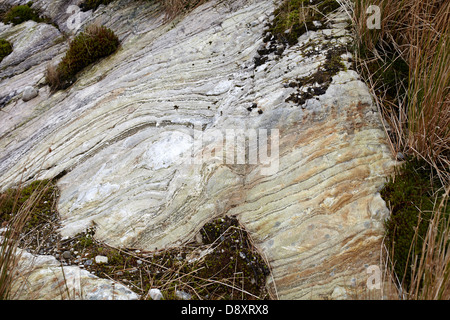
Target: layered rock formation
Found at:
43, 277
124, 138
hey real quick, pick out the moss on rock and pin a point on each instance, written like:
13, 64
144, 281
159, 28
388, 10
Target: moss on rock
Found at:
411, 196
319, 81
295, 17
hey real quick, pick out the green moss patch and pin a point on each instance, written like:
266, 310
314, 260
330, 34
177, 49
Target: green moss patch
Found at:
5, 49
411, 197
295, 17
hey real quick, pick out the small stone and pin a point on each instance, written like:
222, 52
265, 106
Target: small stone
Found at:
183, 295
67, 255
199, 238
155, 294
101, 259
400, 157
317, 24
29, 93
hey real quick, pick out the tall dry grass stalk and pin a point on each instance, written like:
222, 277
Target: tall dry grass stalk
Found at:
417, 32
431, 271
429, 87
11, 236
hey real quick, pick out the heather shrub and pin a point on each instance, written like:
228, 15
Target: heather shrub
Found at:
93, 4
86, 48
19, 14
5, 49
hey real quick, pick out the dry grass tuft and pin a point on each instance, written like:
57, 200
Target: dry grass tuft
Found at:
174, 8
12, 233
406, 63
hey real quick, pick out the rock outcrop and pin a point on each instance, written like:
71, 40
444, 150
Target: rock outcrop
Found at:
125, 138
43, 277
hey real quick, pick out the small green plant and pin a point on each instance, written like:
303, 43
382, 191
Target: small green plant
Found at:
5, 48
94, 43
19, 14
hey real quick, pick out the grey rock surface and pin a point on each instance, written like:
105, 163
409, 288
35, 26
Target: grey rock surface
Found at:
123, 134
41, 277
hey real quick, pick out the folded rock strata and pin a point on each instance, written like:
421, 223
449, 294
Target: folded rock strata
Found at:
124, 135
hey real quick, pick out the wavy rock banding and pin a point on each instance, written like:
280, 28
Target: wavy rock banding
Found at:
118, 135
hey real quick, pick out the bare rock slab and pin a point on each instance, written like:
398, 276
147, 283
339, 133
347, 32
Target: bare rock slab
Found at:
43, 278
122, 135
